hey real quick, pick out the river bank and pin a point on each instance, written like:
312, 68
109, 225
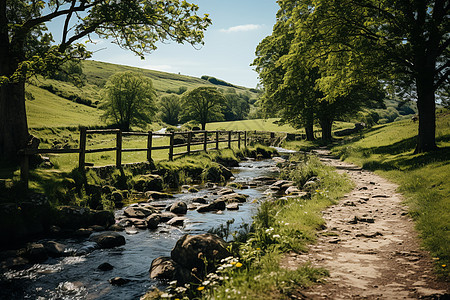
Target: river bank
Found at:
75, 273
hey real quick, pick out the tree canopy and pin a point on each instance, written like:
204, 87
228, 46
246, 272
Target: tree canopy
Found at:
129, 100
170, 109
203, 104
26, 46
404, 43
296, 86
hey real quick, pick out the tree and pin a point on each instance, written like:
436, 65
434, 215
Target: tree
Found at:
25, 44
294, 102
170, 109
130, 100
296, 87
237, 106
203, 104
403, 42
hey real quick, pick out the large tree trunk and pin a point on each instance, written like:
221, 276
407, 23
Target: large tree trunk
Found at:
309, 126
326, 125
13, 117
13, 121
426, 139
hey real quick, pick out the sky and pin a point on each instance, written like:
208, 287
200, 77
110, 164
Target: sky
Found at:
238, 26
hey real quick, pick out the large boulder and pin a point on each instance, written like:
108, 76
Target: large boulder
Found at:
138, 211
109, 239
154, 195
166, 268
167, 216
55, 249
234, 197
149, 182
153, 221
179, 208
190, 252
218, 204
177, 221
36, 252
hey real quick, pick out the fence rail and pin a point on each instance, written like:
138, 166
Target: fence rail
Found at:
192, 138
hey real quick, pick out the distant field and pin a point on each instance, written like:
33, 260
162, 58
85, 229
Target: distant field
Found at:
267, 125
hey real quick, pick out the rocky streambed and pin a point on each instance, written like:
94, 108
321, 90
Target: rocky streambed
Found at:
115, 264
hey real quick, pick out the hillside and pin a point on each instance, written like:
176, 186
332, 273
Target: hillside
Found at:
61, 103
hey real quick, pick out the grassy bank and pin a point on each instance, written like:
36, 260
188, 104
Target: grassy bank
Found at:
388, 150
280, 226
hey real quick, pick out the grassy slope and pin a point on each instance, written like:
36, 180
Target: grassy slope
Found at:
49, 110
423, 178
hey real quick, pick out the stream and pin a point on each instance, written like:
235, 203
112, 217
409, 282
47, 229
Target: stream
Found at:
77, 277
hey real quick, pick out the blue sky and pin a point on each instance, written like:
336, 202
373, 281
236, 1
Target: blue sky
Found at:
230, 43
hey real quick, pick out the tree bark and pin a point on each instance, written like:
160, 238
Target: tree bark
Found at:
426, 105
13, 121
326, 125
309, 129
13, 118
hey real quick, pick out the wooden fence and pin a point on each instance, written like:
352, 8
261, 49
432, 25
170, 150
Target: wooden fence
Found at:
188, 139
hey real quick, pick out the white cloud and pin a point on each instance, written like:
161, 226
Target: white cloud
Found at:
242, 28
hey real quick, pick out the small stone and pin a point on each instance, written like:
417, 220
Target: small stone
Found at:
177, 221
233, 206
119, 281
105, 267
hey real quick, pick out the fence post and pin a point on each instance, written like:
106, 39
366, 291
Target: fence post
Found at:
239, 140
229, 139
82, 155
119, 149
149, 146
189, 140
205, 142
217, 140
24, 169
172, 134
245, 139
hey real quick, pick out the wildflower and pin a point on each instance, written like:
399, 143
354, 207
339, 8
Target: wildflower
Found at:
206, 282
259, 249
276, 236
444, 266
238, 265
233, 262
200, 288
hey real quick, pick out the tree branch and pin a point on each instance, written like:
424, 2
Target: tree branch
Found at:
66, 23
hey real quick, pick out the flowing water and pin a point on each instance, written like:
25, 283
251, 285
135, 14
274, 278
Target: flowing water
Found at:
77, 277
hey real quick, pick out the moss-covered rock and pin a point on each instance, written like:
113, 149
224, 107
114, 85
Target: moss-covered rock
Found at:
148, 182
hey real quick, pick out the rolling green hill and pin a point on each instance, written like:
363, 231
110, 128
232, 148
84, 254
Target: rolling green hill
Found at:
53, 103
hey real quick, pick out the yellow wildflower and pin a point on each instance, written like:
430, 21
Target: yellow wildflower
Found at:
200, 288
238, 265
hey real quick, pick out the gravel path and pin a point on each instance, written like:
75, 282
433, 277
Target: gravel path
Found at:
369, 246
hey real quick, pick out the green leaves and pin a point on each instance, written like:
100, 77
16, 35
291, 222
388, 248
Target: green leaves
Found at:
203, 104
130, 100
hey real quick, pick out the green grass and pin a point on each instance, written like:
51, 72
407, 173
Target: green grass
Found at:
280, 226
49, 110
267, 125
423, 178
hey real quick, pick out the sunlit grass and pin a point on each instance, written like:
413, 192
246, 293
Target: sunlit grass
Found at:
280, 226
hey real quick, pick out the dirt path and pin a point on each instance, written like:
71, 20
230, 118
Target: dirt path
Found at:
369, 246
